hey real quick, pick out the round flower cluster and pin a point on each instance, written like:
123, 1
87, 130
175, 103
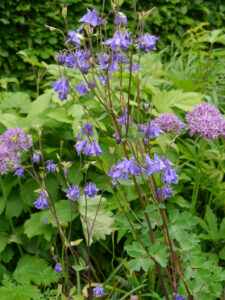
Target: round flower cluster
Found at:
13, 142
207, 121
169, 123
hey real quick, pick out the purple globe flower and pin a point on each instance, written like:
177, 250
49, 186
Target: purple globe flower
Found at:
8, 159
147, 42
120, 18
36, 157
92, 17
42, 201
93, 149
61, 87
19, 172
169, 123
207, 121
165, 192
73, 38
90, 189
98, 291
120, 41
73, 192
81, 88
16, 140
58, 268
50, 166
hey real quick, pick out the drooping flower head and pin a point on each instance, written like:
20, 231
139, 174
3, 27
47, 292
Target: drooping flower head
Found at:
123, 119
98, 291
42, 201
92, 17
169, 123
61, 87
146, 42
120, 18
87, 129
81, 88
150, 130
90, 189
165, 192
74, 37
50, 166
177, 297
92, 148
58, 268
73, 192
19, 172
61, 57
36, 157
206, 120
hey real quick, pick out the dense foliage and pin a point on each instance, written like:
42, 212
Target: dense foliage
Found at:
170, 81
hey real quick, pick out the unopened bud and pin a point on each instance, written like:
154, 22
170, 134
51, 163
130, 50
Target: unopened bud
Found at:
64, 225
50, 28
118, 3
89, 29
64, 11
66, 164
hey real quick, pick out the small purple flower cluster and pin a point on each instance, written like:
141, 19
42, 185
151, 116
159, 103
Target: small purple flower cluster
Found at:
87, 146
207, 121
74, 192
61, 87
169, 123
58, 268
162, 165
98, 291
13, 142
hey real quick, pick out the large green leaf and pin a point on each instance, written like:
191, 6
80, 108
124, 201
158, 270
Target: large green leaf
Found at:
39, 106
4, 237
103, 221
160, 252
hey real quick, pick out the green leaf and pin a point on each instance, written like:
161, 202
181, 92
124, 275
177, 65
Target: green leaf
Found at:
60, 115
222, 253
138, 263
2, 204
103, 221
212, 223
3, 240
15, 100
32, 269
39, 106
160, 253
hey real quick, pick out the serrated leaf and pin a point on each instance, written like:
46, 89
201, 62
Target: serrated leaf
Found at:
212, 223
104, 219
138, 263
160, 253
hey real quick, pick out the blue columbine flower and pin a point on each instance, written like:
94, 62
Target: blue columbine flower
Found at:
80, 145
155, 166
123, 119
62, 87
150, 130
177, 297
170, 176
98, 291
90, 189
73, 38
81, 88
50, 166
58, 268
103, 78
61, 57
135, 67
19, 172
164, 192
87, 129
93, 149
120, 41
42, 201
70, 61
92, 18
147, 42
129, 166
73, 193
36, 157
120, 18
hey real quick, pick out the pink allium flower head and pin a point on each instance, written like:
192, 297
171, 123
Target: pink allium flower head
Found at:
16, 140
207, 121
169, 123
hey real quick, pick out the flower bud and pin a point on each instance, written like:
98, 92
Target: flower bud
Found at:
89, 29
64, 225
64, 11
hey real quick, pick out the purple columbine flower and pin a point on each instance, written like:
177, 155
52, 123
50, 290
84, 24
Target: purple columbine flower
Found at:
80, 146
58, 268
81, 88
169, 123
135, 67
36, 157
207, 121
70, 61
123, 119
98, 291
91, 84
19, 172
103, 59
146, 42
74, 37
155, 166
120, 41
87, 129
130, 166
61, 57
61, 87
150, 130
73, 193
170, 175
92, 17
120, 18
50, 166
103, 79
164, 192
93, 149
42, 201
90, 189
177, 297
45, 220
117, 173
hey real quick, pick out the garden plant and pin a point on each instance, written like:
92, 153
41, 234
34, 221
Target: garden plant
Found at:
118, 168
